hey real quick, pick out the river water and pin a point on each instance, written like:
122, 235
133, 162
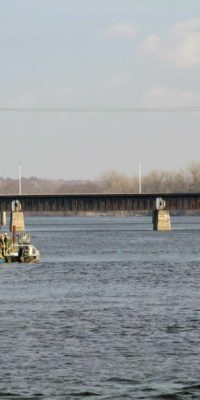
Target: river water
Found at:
112, 311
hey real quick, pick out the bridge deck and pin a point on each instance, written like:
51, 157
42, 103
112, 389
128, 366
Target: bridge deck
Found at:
101, 203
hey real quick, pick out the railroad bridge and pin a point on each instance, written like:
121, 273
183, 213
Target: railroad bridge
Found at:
73, 204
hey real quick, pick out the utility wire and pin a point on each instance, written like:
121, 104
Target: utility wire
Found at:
134, 109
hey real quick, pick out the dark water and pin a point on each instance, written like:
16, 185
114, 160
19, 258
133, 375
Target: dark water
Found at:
111, 312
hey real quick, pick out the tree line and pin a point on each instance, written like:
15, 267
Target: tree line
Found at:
185, 180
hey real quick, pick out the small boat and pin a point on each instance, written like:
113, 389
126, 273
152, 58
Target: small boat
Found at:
20, 250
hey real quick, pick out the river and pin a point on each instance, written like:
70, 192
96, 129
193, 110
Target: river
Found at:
112, 311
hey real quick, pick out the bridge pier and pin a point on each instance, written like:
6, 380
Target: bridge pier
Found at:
161, 220
161, 217
17, 220
3, 218
17, 217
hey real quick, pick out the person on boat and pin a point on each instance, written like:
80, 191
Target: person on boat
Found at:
7, 242
1, 246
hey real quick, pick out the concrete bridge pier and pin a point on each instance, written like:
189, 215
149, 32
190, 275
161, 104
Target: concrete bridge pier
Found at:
3, 218
161, 220
161, 217
17, 217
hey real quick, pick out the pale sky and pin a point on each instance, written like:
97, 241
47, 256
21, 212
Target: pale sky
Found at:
74, 53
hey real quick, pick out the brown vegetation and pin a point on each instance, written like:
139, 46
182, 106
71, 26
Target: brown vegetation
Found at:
187, 180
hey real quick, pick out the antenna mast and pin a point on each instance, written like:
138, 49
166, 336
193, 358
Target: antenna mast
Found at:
140, 177
20, 179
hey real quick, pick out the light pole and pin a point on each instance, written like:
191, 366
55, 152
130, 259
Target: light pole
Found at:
20, 178
140, 177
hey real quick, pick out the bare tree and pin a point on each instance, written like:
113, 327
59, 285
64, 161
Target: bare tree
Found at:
194, 170
115, 182
111, 182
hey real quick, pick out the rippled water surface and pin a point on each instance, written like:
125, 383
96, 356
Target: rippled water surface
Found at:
111, 312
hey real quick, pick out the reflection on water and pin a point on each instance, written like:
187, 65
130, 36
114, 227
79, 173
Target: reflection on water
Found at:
111, 312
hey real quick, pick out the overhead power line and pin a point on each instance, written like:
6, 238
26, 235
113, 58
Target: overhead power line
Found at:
112, 109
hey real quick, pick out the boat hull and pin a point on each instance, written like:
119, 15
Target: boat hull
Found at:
17, 259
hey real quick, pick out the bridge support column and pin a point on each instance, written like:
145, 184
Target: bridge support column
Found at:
3, 218
17, 220
17, 217
161, 220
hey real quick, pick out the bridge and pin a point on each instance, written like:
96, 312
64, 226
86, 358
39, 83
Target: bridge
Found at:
73, 204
